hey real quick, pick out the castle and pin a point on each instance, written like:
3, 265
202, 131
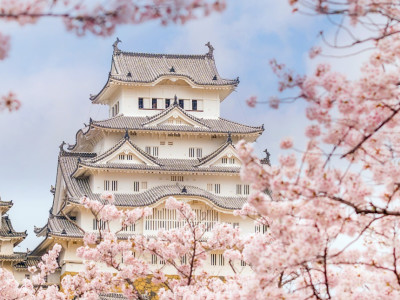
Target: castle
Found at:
164, 137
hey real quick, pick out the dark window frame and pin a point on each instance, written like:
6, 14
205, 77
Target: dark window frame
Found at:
182, 103
154, 103
194, 104
140, 103
167, 103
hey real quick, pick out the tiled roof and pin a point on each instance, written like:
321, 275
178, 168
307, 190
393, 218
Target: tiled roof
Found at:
59, 226
16, 256
6, 203
152, 195
29, 261
7, 229
219, 125
147, 67
78, 187
212, 155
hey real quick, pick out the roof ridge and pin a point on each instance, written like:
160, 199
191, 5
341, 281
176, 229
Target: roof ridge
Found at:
161, 55
237, 123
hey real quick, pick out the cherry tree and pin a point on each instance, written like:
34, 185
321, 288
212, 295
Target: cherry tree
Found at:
96, 17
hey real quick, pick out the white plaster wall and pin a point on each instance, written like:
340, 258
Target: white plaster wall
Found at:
126, 181
7, 247
130, 96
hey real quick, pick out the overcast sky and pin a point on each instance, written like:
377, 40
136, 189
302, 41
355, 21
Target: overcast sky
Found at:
53, 72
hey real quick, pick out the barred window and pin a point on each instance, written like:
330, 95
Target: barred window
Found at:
154, 259
260, 228
176, 178
213, 259
243, 263
144, 185
217, 188
155, 151
131, 227
99, 224
106, 185
238, 189
209, 187
129, 157
183, 260
121, 156
114, 185
224, 160
232, 161
191, 152
148, 149
199, 152
136, 186
170, 143
246, 189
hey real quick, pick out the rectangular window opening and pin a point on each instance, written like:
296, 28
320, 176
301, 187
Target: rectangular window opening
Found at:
194, 104
167, 103
136, 186
181, 103
140, 103
154, 103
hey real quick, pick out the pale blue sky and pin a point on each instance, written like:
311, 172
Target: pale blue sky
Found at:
53, 72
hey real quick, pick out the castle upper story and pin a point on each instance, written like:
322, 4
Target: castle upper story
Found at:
143, 84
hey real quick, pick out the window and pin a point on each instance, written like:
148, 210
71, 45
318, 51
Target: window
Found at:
136, 186
246, 189
238, 189
162, 143
170, 143
144, 185
243, 263
154, 103
167, 103
155, 151
213, 259
260, 228
194, 104
148, 149
191, 152
217, 188
129, 157
131, 227
176, 178
140, 103
121, 157
106, 185
99, 224
27, 276
162, 261
114, 185
112, 112
224, 160
183, 260
209, 187
153, 259
199, 152
235, 225
46, 278
181, 103
232, 161
221, 260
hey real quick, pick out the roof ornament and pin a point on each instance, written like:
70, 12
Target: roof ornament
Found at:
79, 160
62, 146
210, 49
63, 231
215, 77
184, 190
175, 101
126, 136
52, 189
172, 70
115, 45
266, 160
90, 121
129, 74
229, 140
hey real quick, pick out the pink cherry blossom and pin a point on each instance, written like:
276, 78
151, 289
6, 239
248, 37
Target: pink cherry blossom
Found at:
286, 143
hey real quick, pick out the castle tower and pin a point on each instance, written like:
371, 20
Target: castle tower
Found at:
164, 137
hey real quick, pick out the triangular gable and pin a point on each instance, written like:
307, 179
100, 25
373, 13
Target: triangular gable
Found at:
226, 156
174, 116
125, 152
